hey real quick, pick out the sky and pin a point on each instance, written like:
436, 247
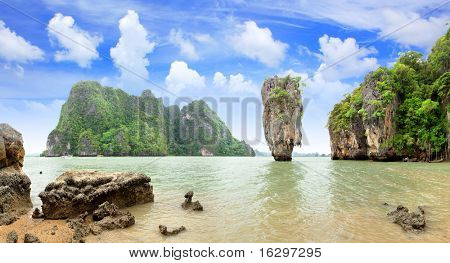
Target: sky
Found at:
220, 51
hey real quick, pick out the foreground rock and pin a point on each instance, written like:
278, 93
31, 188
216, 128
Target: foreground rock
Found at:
29, 238
80, 227
12, 237
109, 217
283, 111
409, 221
14, 184
165, 232
188, 204
74, 193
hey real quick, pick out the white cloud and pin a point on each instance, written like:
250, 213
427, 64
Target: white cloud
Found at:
293, 73
187, 48
15, 48
219, 80
133, 47
384, 16
78, 45
234, 83
203, 38
344, 59
181, 77
257, 43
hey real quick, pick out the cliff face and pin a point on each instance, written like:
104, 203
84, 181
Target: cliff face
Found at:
100, 120
283, 110
399, 112
14, 184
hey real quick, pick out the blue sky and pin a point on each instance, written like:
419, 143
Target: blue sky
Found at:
215, 49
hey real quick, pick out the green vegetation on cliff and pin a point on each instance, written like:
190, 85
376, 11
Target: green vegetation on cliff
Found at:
99, 120
416, 91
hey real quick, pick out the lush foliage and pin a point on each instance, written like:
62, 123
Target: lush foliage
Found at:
100, 120
417, 89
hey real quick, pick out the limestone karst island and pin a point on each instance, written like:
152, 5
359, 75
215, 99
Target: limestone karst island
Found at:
225, 122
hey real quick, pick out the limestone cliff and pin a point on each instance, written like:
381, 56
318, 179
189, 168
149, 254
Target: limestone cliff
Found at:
398, 112
99, 120
282, 115
14, 184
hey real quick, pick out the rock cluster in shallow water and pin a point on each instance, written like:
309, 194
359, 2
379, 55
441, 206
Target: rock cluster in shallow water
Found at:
188, 204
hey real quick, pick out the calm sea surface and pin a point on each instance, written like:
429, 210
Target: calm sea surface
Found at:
259, 200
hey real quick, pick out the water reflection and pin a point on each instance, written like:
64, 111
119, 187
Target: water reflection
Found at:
279, 212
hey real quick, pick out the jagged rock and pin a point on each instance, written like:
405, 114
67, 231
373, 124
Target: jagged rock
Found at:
283, 110
409, 221
29, 238
104, 210
188, 204
196, 206
79, 226
12, 237
77, 192
37, 214
14, 184
108, 217
164, 231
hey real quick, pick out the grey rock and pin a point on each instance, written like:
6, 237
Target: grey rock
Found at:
12, 237
283, 110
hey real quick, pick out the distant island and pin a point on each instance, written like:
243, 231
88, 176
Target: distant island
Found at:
294, 154
103, 121
398, 112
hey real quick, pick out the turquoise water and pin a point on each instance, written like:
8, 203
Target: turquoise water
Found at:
258, 200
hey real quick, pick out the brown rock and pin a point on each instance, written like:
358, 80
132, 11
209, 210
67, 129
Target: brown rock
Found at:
165, 232
14, 184
12, 237
409, 221
188, 204
108, 217
29, 238
37, 214
77, 192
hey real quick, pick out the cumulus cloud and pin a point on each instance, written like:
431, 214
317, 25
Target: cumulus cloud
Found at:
181, 77
234, 83
15, 48
187, 48
133, 47
77, 45
258, 43
344, 59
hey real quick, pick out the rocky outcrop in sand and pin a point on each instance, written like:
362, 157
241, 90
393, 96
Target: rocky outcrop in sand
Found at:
188, 204
109, 217
76, 192
283, 110
14, 184
409, 221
